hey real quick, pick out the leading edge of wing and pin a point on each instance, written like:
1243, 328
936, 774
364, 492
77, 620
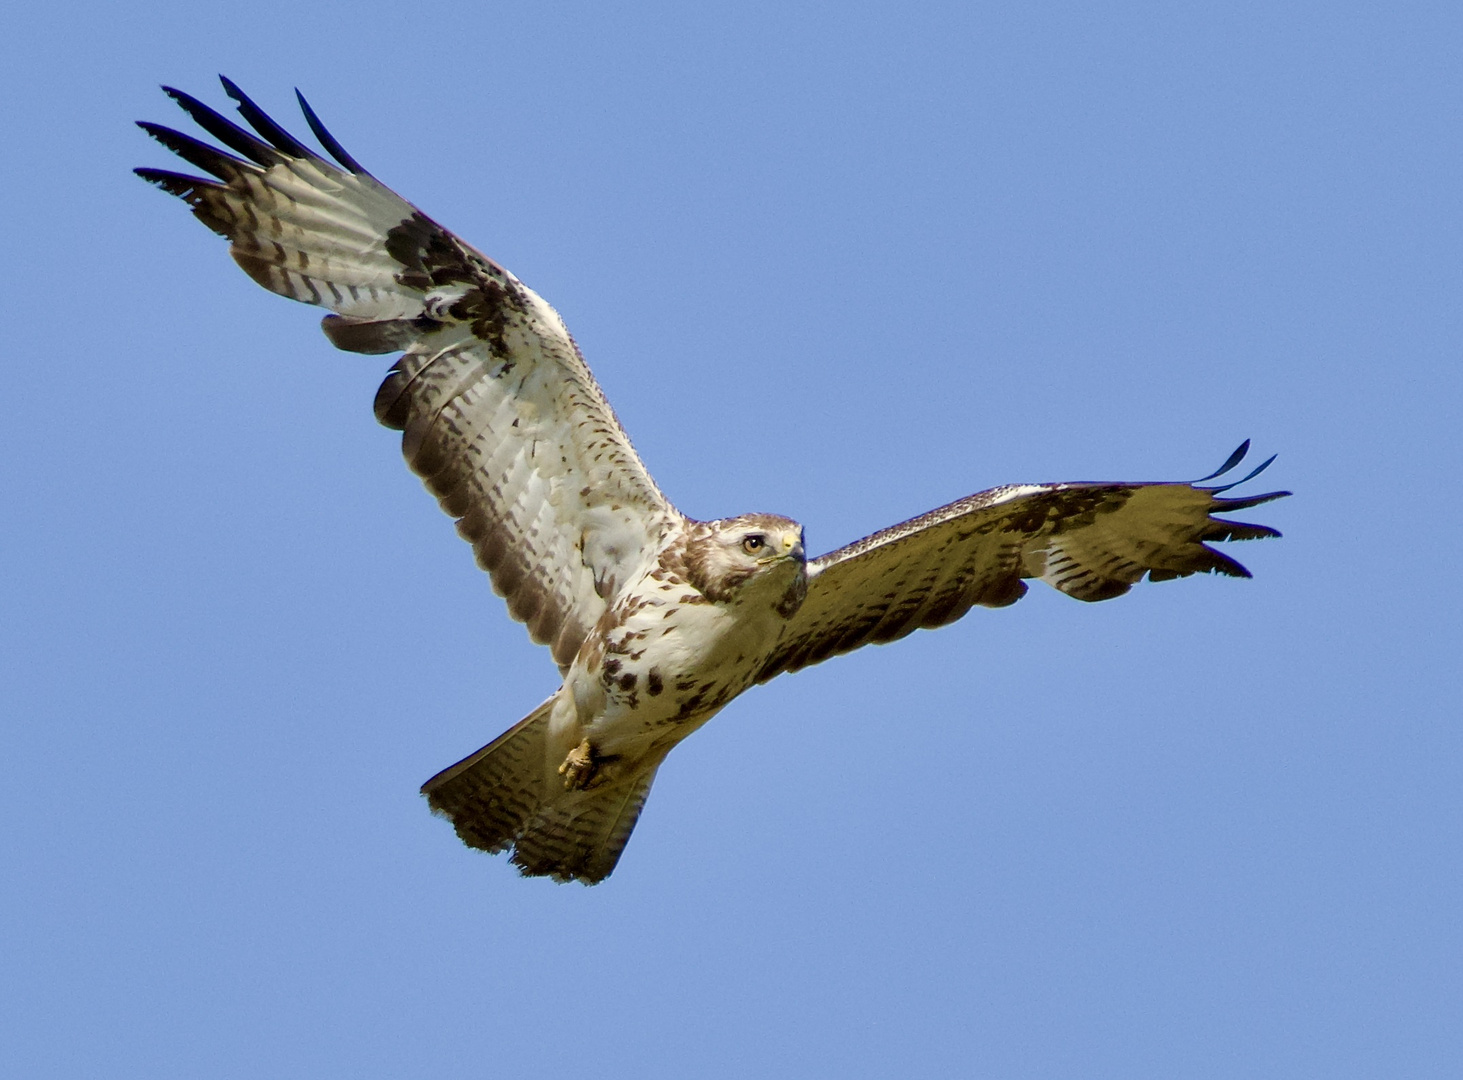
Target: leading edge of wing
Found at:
1008, 493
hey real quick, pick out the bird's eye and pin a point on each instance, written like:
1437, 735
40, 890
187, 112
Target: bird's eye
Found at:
754, 543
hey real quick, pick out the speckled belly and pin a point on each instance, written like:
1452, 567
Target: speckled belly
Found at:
665, 661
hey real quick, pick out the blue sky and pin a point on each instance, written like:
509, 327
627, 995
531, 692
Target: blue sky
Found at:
843, 262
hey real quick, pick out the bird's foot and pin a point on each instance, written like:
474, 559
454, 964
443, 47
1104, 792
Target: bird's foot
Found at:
583, 767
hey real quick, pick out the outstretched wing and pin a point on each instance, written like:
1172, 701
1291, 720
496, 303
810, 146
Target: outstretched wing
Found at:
500, 415
1091, 541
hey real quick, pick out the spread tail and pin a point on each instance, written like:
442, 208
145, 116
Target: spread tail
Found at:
491, 795
578, 835
509, 795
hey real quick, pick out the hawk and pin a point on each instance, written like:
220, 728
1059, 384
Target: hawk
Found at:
655, 620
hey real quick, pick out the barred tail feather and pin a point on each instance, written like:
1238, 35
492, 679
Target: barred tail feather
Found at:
508, 795
579, 836
491, 795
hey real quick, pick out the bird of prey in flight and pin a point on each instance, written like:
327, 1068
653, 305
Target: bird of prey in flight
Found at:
655, 620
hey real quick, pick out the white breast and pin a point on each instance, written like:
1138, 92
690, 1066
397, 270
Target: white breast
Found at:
670, 661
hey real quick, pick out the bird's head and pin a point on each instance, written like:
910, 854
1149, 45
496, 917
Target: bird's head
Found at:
758, 555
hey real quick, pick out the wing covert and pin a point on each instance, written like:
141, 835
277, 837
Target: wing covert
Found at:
499, 413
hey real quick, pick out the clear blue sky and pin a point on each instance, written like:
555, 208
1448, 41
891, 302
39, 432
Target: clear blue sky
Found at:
844, 262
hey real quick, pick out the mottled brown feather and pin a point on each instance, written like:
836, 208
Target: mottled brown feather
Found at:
499, 414
1091, 541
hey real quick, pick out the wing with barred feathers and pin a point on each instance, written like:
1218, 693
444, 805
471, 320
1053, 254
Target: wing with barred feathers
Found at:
499, 413
1091, 541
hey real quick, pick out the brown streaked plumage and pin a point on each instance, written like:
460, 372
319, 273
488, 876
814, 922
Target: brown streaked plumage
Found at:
656, 621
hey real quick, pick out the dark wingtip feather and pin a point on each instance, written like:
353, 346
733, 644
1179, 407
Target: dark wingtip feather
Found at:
1224, 529
1233, 460
226, 131
179, 184
208, 158
1216, 562
327, 140
261, 122
1251, 475
190, 189
1247, 501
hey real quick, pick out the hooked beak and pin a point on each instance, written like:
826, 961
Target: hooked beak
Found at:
792, 548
